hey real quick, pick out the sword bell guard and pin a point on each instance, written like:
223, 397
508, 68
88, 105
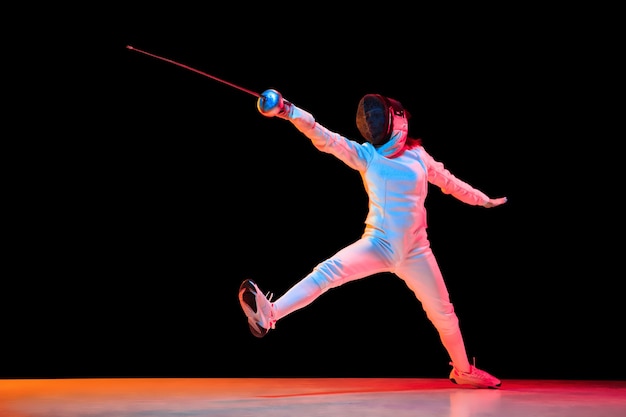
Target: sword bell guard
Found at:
270, 103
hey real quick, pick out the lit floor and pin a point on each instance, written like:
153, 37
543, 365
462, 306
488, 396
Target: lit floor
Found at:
302, 397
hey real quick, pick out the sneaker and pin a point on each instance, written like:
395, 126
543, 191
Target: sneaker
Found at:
475, 377
257, 307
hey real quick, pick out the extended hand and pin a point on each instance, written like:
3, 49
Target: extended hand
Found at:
493, 202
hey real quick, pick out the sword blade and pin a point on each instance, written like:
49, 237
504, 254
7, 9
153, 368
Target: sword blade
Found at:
195, 70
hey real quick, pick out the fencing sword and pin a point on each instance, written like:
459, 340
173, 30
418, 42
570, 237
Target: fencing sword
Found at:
269, 103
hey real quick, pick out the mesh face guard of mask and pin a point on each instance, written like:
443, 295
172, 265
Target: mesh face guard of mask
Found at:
377, 117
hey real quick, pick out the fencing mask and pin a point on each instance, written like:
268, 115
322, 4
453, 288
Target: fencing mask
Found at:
377, 118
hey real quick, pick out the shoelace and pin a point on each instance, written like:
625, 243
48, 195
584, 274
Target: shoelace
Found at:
473, 370
269, 297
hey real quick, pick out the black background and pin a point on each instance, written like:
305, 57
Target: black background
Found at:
143, 193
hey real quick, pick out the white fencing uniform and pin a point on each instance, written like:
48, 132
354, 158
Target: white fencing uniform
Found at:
396, 178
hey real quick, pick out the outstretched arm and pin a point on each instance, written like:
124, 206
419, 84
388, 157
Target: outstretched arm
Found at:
439, 175
272, 104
